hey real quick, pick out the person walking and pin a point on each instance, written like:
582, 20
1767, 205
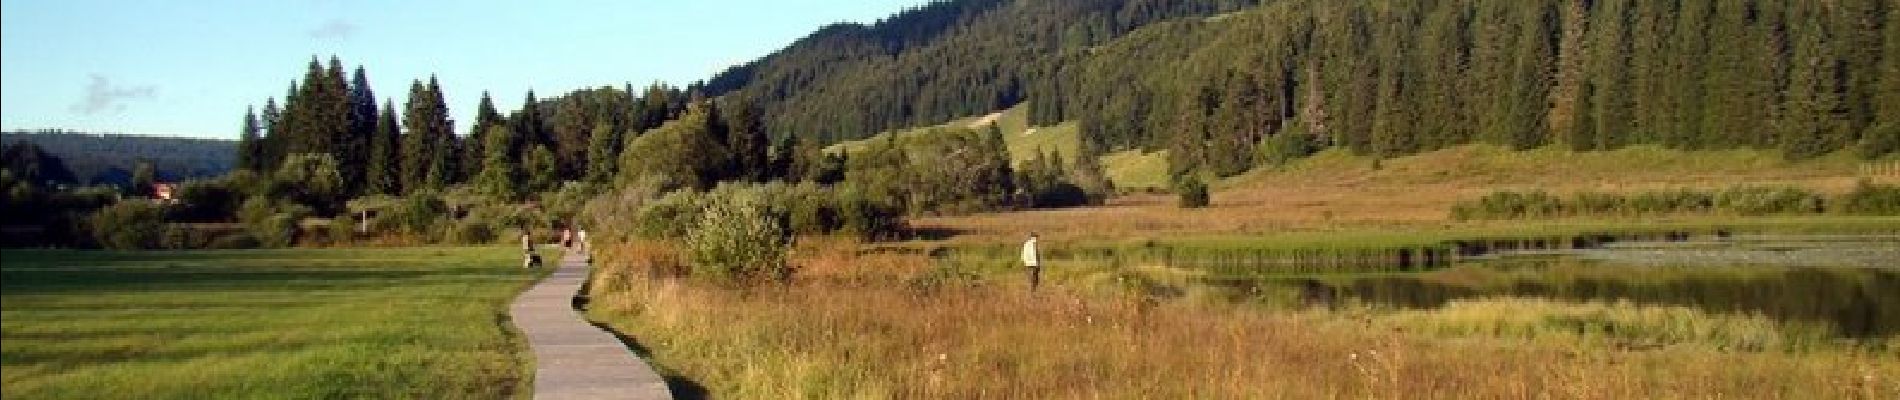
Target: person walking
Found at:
1032, 260
567, 238
528, 258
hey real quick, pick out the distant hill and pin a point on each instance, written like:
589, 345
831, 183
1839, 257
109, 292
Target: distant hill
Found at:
1209, 81
109, 158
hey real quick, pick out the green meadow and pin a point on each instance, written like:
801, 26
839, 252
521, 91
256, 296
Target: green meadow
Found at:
306, 323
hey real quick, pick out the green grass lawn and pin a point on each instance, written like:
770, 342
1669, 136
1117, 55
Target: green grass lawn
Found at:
341, 323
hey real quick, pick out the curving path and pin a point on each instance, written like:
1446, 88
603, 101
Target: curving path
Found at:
573, 359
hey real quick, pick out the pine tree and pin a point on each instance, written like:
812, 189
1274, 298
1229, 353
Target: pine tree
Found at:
250, 146
1611, 109
528, 125
272, 145
383, 171
501, 175
355, 153
442, 170
748, 143
541, 169
474, 154
1811, 120
603, 153
418, 147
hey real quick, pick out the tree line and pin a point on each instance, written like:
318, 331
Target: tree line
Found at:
1213, 80
1397, 77
382, 150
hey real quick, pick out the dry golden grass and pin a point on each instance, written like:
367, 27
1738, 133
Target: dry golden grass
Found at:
1334, 190
869, 335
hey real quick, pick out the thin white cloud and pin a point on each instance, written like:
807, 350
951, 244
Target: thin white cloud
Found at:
334, 29
102, 96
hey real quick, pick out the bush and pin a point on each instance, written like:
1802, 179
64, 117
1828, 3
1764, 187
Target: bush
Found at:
1671, 202
272, 223
179, 237
669, 217
130, 225
342, 229
471, 231
1767, 200
869, 219
1869, 198
1193, 193
419, 213
235, 240
1283, 148
739, 239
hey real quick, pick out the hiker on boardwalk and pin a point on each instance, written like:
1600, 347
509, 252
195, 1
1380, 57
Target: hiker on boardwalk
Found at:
581, 236
528, 258
1033, 261
567, 237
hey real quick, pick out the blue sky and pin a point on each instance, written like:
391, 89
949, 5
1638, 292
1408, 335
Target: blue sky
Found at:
189, 68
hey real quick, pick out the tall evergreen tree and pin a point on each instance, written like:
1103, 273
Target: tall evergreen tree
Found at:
1812, 117
418, 146
603, 153
540, 169
501, 174
354, 151
442, 170
528, 125
250, 146
474, 154
384, 169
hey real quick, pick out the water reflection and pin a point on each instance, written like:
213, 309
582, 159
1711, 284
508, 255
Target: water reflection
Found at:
1859, 302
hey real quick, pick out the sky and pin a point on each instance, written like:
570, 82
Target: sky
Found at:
190, 68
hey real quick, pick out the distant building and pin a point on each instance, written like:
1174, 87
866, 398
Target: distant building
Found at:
165, 192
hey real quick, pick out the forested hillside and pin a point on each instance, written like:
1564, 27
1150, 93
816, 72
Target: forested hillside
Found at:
939, 62
111, 158
1380, 77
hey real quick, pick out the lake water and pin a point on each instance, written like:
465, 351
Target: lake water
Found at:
1850, 282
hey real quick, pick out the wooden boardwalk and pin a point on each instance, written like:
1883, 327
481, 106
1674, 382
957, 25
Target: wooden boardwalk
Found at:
574, 359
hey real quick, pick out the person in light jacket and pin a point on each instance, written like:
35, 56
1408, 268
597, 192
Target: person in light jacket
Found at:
1032, 260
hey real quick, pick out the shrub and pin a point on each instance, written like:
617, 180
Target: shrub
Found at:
739, 239
1597, 203
471, 231
869, 219
178, 237
1870, 198
235, 240
129, 225
419, 213
1193, 192
1276, 150
1671, 201
668, 217
342, 229
1766, 200
273, 224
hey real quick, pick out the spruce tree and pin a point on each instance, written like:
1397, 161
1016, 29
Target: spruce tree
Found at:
384, 172
250, 146
272, 146
1811, 120
540, 169
501, 175
603, 153
354, 152
474, 155
417, 145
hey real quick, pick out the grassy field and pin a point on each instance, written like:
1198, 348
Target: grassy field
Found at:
337, 323
951, 318
861, 324
1336, 191
1130, 170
